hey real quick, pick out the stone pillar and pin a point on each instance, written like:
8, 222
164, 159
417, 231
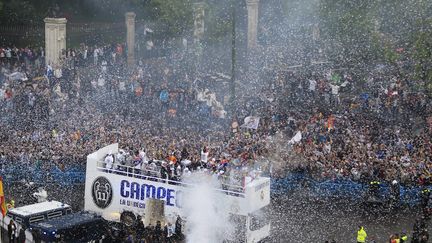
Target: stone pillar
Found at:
199, 13
55, 39
130, 37
252, 9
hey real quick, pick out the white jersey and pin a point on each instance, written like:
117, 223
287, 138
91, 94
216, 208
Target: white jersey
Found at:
101, 82
104, 66
143, 157
122, 86
204, 156
109, 161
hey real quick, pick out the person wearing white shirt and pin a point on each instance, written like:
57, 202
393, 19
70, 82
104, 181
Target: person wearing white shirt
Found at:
95, 56
140, 72
186, 173
101, 84
58, 72
122, 85
312, 87
113, 56
8, 52
204, 156
41, 195
335, 94
143, 156
335, 89
104, 66
85, 53
109, 161
49, 70
327, 148
170, 231
2, 94
121, 155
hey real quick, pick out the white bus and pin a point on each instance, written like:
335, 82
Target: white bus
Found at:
113, 192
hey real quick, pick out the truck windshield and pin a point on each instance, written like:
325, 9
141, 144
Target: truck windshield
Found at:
82, 233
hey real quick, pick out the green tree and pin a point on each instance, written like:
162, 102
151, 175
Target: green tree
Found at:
422, 55
348, 26
218, 19
175, 16
19, 11
422, 43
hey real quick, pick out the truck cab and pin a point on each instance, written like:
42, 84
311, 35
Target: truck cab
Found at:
27, 215
75, 227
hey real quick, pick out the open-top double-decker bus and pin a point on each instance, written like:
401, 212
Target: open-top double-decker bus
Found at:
115, 191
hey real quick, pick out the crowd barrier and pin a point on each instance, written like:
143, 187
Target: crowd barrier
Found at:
340, 188
323, 189
42, 174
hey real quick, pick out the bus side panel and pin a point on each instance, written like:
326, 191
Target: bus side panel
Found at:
92, 173
258, 194
128, 193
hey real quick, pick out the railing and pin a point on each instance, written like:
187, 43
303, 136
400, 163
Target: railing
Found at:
73, 29
155, 175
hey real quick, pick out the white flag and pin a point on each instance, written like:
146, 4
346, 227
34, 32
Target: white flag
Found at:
297, 138
251, 122
17, 76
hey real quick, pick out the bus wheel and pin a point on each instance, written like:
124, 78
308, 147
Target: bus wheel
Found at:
127, 218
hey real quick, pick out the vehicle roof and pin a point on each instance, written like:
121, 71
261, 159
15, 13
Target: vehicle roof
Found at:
38, 208
67, 221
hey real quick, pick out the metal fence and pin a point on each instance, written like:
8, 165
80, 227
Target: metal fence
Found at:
324, 189
341, 188
42, 174
72, 29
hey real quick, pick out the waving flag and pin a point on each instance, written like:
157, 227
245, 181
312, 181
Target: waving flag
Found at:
2, 198
297, 138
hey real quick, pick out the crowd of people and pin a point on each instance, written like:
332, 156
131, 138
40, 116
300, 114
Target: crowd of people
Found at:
378, 131
151, 233
375, 126
58, 115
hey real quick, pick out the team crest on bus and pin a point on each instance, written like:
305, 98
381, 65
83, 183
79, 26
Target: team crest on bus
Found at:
102, 192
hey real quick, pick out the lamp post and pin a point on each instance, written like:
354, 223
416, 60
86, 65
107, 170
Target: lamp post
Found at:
233, 56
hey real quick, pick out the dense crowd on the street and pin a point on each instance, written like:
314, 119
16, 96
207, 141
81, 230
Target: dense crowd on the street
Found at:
382, 133
359, 126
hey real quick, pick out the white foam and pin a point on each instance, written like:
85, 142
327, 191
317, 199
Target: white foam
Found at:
206, 210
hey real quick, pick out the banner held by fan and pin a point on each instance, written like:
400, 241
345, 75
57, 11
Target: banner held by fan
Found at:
251, 122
